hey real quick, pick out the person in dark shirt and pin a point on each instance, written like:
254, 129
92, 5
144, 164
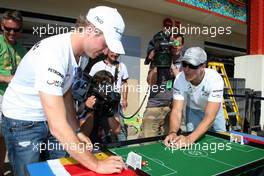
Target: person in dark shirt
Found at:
160, 80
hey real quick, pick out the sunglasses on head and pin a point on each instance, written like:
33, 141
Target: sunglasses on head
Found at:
12, 29
185, 64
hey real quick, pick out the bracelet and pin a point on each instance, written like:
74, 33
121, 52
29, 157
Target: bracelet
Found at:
78, 130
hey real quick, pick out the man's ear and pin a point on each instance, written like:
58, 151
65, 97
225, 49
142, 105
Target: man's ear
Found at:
204, 65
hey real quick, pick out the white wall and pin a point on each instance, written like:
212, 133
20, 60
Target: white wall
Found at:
251, 67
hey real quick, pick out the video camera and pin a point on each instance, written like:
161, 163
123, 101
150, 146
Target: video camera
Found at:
101, 86
162, 48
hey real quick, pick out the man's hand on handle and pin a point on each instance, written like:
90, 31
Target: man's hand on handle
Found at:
172, 140
113, 164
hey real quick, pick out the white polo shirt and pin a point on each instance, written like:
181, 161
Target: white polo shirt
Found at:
48, 67
122, 72
210, 89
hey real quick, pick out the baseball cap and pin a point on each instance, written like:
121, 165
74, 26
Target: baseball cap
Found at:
111, 23
195, 56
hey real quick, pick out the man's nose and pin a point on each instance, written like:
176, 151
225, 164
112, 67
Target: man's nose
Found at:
12, 32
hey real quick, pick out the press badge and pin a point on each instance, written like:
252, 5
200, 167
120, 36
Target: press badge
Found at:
169, 85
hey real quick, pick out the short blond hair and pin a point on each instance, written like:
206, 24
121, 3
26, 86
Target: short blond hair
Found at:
81, 22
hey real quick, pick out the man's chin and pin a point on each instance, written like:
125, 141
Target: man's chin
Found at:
95, 56
11, 40
187, 78
92, 56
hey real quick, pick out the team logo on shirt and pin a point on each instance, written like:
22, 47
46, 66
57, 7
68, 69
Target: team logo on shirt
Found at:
177, 91
189, 89
205, 93
56, 72
221, 90
217, 93
55, 83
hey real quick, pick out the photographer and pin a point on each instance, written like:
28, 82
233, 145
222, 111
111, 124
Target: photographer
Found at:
120, 75
103, 108
162, 49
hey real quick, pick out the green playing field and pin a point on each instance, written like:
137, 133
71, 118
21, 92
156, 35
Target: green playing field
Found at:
209, 156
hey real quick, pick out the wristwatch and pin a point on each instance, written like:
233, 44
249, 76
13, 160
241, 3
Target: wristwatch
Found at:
78, 130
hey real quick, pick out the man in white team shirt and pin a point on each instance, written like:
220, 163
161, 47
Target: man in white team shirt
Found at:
202, 88
38, 102
120, 74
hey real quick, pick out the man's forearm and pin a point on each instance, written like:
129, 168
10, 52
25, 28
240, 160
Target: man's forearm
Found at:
60, 128
176, 115
124, 90
175, 121
73, 146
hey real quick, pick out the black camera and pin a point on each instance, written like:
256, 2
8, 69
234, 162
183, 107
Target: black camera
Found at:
162, 48
101, 85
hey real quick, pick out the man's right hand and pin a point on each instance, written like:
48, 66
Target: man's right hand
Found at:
170, 139
174, 141
113, 164
90, 102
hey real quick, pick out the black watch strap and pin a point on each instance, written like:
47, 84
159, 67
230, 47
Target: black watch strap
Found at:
78, 130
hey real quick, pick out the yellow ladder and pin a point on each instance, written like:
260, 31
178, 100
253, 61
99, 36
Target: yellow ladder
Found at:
220, 68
